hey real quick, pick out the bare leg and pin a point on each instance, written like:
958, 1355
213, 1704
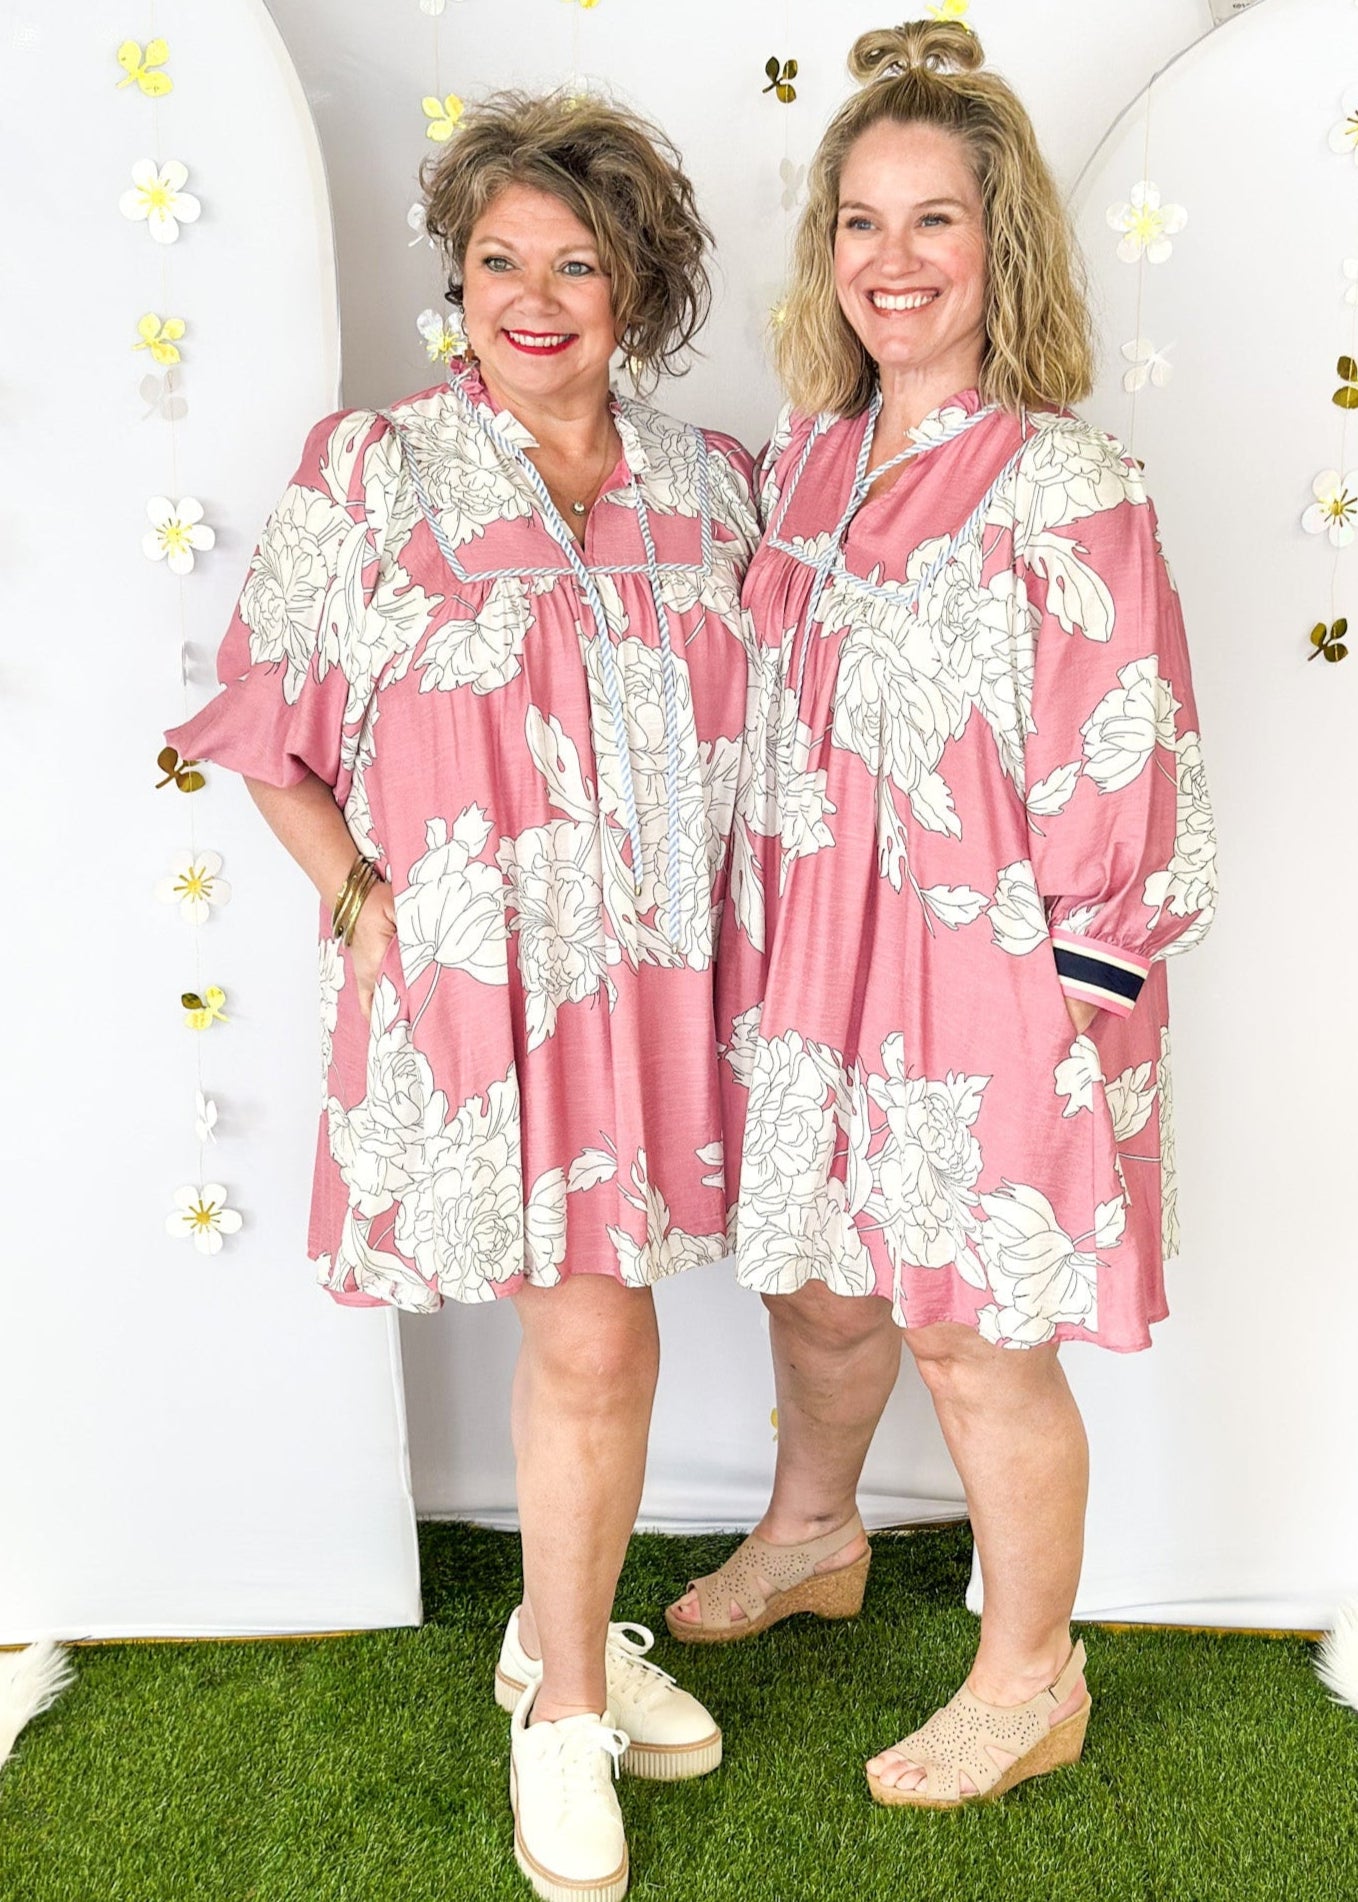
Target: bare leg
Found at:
1017, 1439
583, 1389
835, 1361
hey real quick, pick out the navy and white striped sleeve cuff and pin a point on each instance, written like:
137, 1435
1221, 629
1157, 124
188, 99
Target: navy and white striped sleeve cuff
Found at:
1100, 974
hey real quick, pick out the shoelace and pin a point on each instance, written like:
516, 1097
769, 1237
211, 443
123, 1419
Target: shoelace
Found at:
580, 1754
645, 1678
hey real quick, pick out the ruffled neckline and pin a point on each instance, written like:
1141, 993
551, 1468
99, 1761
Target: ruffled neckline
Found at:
516, 433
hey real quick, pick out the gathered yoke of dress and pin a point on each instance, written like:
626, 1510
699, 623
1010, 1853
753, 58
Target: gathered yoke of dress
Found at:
971, 788
537, 741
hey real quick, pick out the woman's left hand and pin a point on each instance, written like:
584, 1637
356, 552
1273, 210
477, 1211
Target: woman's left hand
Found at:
1082, 1015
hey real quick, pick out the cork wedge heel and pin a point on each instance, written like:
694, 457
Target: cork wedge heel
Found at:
953, 1744
796, 1586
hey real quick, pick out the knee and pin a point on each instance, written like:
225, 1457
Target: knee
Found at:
962, 1370
840, 1323
603, 1360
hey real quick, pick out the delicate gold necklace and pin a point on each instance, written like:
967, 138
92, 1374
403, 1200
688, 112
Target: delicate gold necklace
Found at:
578, 508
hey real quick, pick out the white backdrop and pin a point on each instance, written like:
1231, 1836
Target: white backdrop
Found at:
191, 1444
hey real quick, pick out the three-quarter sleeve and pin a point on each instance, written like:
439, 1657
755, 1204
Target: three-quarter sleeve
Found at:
1122, 841
294, 663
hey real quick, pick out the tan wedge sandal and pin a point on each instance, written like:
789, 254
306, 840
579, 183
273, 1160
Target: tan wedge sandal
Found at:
797, 1586
952, 1744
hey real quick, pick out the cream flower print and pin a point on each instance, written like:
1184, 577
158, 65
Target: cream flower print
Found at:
443, 339
1148, 365
177, 532
161, 339
1335, 509
1147, 225
201, 1216
1017, 917
1127, 725
1344, 136
193, 882
1077, 1074
443, 116
158, 196
1039, 1275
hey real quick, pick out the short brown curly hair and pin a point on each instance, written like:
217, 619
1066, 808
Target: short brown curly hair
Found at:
619, 175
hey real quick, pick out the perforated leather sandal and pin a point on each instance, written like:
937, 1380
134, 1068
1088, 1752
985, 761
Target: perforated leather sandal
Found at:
952, 1744
797, 1586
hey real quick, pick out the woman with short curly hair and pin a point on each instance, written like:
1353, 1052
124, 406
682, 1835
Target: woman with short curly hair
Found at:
970, 825
490, 643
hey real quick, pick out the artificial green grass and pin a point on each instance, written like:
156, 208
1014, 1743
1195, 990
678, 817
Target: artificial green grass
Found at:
373, 1769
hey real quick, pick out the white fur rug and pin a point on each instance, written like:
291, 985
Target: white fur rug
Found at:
30, 1680
1337, 1662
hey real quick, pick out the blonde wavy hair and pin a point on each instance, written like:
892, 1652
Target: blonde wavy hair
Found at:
1038, 352
622, 179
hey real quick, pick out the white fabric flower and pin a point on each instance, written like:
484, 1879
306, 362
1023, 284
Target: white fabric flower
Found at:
201, 1215
204, 1118
443, 339
1344, 136
1149, 365
158, 196
1335, 509
177, 530
415, 220
193, 884
1147, 224
1351, 280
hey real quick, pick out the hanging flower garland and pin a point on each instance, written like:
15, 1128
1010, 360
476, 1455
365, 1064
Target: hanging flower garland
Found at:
178, 534
1333, 513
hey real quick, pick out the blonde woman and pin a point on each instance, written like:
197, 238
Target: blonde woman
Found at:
971, 823
490, 643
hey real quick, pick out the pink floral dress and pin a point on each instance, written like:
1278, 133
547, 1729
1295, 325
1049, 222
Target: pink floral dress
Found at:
971, 787
539, 746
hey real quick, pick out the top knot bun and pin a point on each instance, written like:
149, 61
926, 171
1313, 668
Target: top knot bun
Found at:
917, 46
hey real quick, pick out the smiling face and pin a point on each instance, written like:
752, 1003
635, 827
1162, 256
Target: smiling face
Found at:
910, 259
538, 304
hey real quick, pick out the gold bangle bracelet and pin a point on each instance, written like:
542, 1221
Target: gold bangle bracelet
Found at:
363, 875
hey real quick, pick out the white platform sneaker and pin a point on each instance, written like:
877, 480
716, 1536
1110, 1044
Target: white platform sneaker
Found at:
568, 1835
670, 1734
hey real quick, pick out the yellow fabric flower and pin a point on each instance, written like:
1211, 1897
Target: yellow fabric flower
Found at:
138, 67
200, 1013
160, 338
443, 115
951, 10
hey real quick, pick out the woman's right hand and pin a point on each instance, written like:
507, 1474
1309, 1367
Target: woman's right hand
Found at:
373, 933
